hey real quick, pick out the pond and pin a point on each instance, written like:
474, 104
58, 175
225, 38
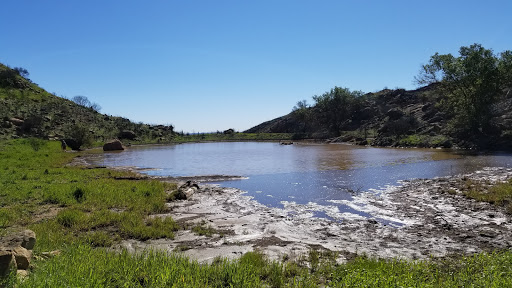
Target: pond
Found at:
302, 173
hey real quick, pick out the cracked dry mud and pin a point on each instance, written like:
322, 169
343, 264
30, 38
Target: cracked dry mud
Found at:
419, 219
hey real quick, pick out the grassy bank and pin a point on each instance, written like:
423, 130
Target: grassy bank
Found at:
182, 138
83, 266
79, 211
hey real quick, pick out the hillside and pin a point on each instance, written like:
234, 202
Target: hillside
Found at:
27, 110
397, 118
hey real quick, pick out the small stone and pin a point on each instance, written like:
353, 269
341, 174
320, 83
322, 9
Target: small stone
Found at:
22, 274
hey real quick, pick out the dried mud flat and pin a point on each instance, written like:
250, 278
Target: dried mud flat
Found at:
419, 219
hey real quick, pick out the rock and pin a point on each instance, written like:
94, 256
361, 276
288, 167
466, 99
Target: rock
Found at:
16, 121
22, 274
46, 255
186, 190
25, 239
7, 262
29, 239
113, 145
127, 134
22, 257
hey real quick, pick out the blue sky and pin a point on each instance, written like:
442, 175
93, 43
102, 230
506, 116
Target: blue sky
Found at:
214, 65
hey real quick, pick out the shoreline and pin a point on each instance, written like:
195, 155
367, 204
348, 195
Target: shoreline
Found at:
420, 219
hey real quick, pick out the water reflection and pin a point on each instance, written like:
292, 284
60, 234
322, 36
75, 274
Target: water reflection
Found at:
302, 173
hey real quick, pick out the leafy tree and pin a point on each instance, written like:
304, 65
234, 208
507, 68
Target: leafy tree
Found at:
302, 112
336, 107
473, 82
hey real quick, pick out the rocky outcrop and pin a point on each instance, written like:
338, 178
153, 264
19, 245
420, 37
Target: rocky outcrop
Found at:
16, 251
113, 145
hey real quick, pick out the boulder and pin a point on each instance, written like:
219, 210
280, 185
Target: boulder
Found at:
28, 239
25, 239
186, 190
23, 257
127, 134
113, 145
7, 262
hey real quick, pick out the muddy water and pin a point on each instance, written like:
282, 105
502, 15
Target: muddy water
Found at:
303, 173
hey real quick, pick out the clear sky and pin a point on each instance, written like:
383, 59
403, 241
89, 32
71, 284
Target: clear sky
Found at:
213, 65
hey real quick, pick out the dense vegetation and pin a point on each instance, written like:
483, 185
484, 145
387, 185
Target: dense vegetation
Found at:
467, 103
77, 211
472, 84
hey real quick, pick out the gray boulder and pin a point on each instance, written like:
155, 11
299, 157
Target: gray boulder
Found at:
186, 190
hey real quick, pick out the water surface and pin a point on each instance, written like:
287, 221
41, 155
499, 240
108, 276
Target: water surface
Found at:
303, 173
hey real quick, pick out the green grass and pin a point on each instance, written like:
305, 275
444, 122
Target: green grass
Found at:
83, 266
499, 194
232, 137
204, 230
95, 210
88, 199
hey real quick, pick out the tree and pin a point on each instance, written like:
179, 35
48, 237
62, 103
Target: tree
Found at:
81, 100
21, 71
84, 101
336, 107
472, 82
302, 113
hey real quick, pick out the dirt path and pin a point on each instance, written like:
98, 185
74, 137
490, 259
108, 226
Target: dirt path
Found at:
416, 220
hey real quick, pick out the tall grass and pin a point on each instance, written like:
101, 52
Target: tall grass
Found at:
83, 266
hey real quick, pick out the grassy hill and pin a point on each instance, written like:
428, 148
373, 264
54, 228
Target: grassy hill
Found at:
27, 110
